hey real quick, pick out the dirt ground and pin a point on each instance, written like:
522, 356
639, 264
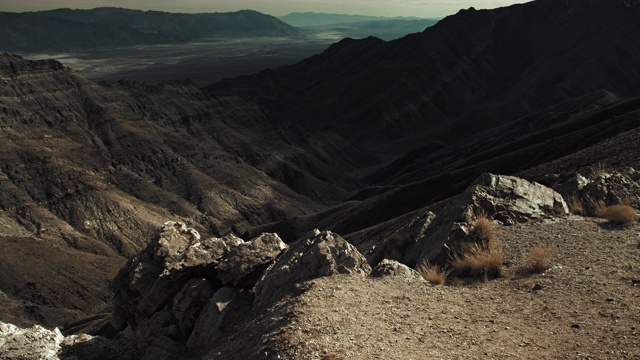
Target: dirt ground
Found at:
587, 306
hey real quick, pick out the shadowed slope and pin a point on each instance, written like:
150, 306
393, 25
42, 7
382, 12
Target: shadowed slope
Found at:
473, 70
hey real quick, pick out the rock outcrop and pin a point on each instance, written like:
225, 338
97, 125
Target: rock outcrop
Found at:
320, 254
182, 292
33, 343
161, 292
611, 188
507, 199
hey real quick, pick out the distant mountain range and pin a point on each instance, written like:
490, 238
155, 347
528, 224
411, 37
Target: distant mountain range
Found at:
358, 26
66, 29
316, 19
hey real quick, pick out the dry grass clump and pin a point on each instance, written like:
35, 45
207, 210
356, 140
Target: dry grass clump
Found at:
596, 207
482, 230
621, 214
626, 200
597, 170
483, 259
540, 260
433, 274
575, 206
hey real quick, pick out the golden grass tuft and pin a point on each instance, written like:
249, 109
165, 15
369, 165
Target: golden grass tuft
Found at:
480, 259
433, 274
483, 228
621, 214
540, 260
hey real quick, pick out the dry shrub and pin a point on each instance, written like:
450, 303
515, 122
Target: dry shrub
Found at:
597, 170
626, 200
483, 229
597, 207
540, 260
576, 206
621, 214
432, 273
480, 259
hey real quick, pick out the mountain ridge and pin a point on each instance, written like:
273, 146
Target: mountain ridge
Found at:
104, 27
480, 67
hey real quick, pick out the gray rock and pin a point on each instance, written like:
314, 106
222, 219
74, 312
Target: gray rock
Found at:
519, 198
393, 268
208, 326
242, 267
189, 302
319, 254
611, 188
396, 239
572, 186
505, 198
160, 271
33, 343
160, 293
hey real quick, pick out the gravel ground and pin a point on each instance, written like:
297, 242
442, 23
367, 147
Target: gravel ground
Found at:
585, 307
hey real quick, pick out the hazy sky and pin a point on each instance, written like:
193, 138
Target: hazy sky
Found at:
420, 8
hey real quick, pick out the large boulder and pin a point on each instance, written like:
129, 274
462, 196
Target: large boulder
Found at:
319, 254
160, 271
507, 199
161, 293
32, 343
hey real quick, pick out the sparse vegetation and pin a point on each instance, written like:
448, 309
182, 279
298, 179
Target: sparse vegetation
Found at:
479, 260
540, 260
621, 214
626, 200
483, 229
575, 205
433, 274
598, 170
596, 207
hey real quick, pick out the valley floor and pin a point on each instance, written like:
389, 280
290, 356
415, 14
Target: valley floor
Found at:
587, 306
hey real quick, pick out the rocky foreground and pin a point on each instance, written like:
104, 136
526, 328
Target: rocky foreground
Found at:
189, 297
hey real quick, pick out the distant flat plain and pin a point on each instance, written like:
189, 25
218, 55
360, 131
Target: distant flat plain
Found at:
204, 61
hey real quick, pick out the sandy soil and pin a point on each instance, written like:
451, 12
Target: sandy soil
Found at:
587, 306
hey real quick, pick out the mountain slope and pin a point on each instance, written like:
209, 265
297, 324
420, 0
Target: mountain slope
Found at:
93, 169
606, 132
66, 29
473, 70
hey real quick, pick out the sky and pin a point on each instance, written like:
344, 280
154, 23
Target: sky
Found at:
417, 8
